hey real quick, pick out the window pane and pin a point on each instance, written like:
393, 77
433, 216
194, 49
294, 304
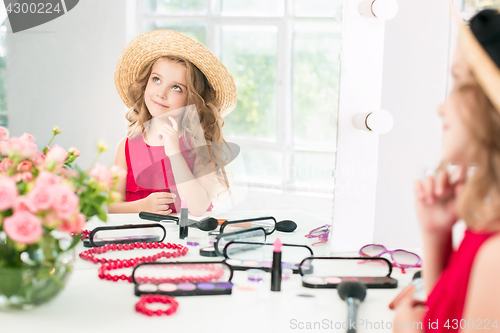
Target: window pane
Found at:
249, 53
253, 7
316, 76
476, 5
313, 171
175, 7
195, 30
3, 76
260, 166
318, 8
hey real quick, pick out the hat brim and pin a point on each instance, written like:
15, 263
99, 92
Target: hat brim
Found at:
484, 68
159, 43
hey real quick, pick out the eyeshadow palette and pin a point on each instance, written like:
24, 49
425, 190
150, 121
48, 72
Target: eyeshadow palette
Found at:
183, 278
328, 272
243, 265
126, 234
243, 255
312, 281
186, 289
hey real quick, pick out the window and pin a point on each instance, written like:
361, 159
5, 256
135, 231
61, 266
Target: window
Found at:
284, 57
3, 72
475, 5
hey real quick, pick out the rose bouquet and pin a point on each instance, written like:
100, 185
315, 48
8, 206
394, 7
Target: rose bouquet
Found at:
45, 201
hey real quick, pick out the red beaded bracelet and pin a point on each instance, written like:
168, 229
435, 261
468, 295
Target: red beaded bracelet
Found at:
141, 305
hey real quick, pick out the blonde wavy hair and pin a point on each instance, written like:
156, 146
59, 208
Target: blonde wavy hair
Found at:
200, 94
479, 203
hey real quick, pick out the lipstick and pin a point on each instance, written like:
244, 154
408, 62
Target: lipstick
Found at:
276, 267
183, 221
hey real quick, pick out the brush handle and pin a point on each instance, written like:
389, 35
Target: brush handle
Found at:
157, 217
352, 307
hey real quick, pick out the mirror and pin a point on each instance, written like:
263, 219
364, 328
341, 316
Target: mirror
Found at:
62, 73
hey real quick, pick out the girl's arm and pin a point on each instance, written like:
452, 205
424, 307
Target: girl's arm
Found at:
436, 199
154, 203
198, 191
482, 302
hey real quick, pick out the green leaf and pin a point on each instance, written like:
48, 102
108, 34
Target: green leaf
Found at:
75, 241
102, 215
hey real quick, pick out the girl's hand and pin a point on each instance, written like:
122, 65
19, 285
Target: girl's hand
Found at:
170, 137
411, 313
436, 200
158, 202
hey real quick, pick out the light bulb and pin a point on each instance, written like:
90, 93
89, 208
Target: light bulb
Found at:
379, 122
385, 9
382, 9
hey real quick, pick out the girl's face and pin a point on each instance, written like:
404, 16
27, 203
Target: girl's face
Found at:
166, 89
457, 141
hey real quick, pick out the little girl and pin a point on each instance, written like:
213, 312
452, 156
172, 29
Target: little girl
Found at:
177, 92
462, 286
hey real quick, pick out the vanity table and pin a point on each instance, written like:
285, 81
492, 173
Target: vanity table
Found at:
89, 304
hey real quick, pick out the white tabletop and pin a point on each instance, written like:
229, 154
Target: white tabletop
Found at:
89, 304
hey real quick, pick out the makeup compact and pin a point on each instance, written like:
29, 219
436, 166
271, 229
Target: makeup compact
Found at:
267, 222
195, 278
126, 234
243, 255
255, 235
328, 272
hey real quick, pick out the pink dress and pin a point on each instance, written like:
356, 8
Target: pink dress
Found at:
447, 299
149, 170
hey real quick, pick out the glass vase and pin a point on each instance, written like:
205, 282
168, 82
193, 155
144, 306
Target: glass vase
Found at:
34, 282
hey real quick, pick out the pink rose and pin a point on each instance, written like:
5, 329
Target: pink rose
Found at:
5, 164
24, 148
25, 166
118, 171
4, 134
65, 201
39, 159
75, 225
27, 137
23, 227
22, 203
41, 196
74, 151
102, 175
46, 178
8, 192
57, 154
24, 176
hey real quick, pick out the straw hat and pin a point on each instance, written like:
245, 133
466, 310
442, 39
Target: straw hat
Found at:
158, 43
480, 42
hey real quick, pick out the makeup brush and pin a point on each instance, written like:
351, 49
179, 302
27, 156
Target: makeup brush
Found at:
353, 293
286, 226
205, 224
417, 284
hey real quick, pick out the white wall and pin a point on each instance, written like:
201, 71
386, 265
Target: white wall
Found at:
414, 84
62, 73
